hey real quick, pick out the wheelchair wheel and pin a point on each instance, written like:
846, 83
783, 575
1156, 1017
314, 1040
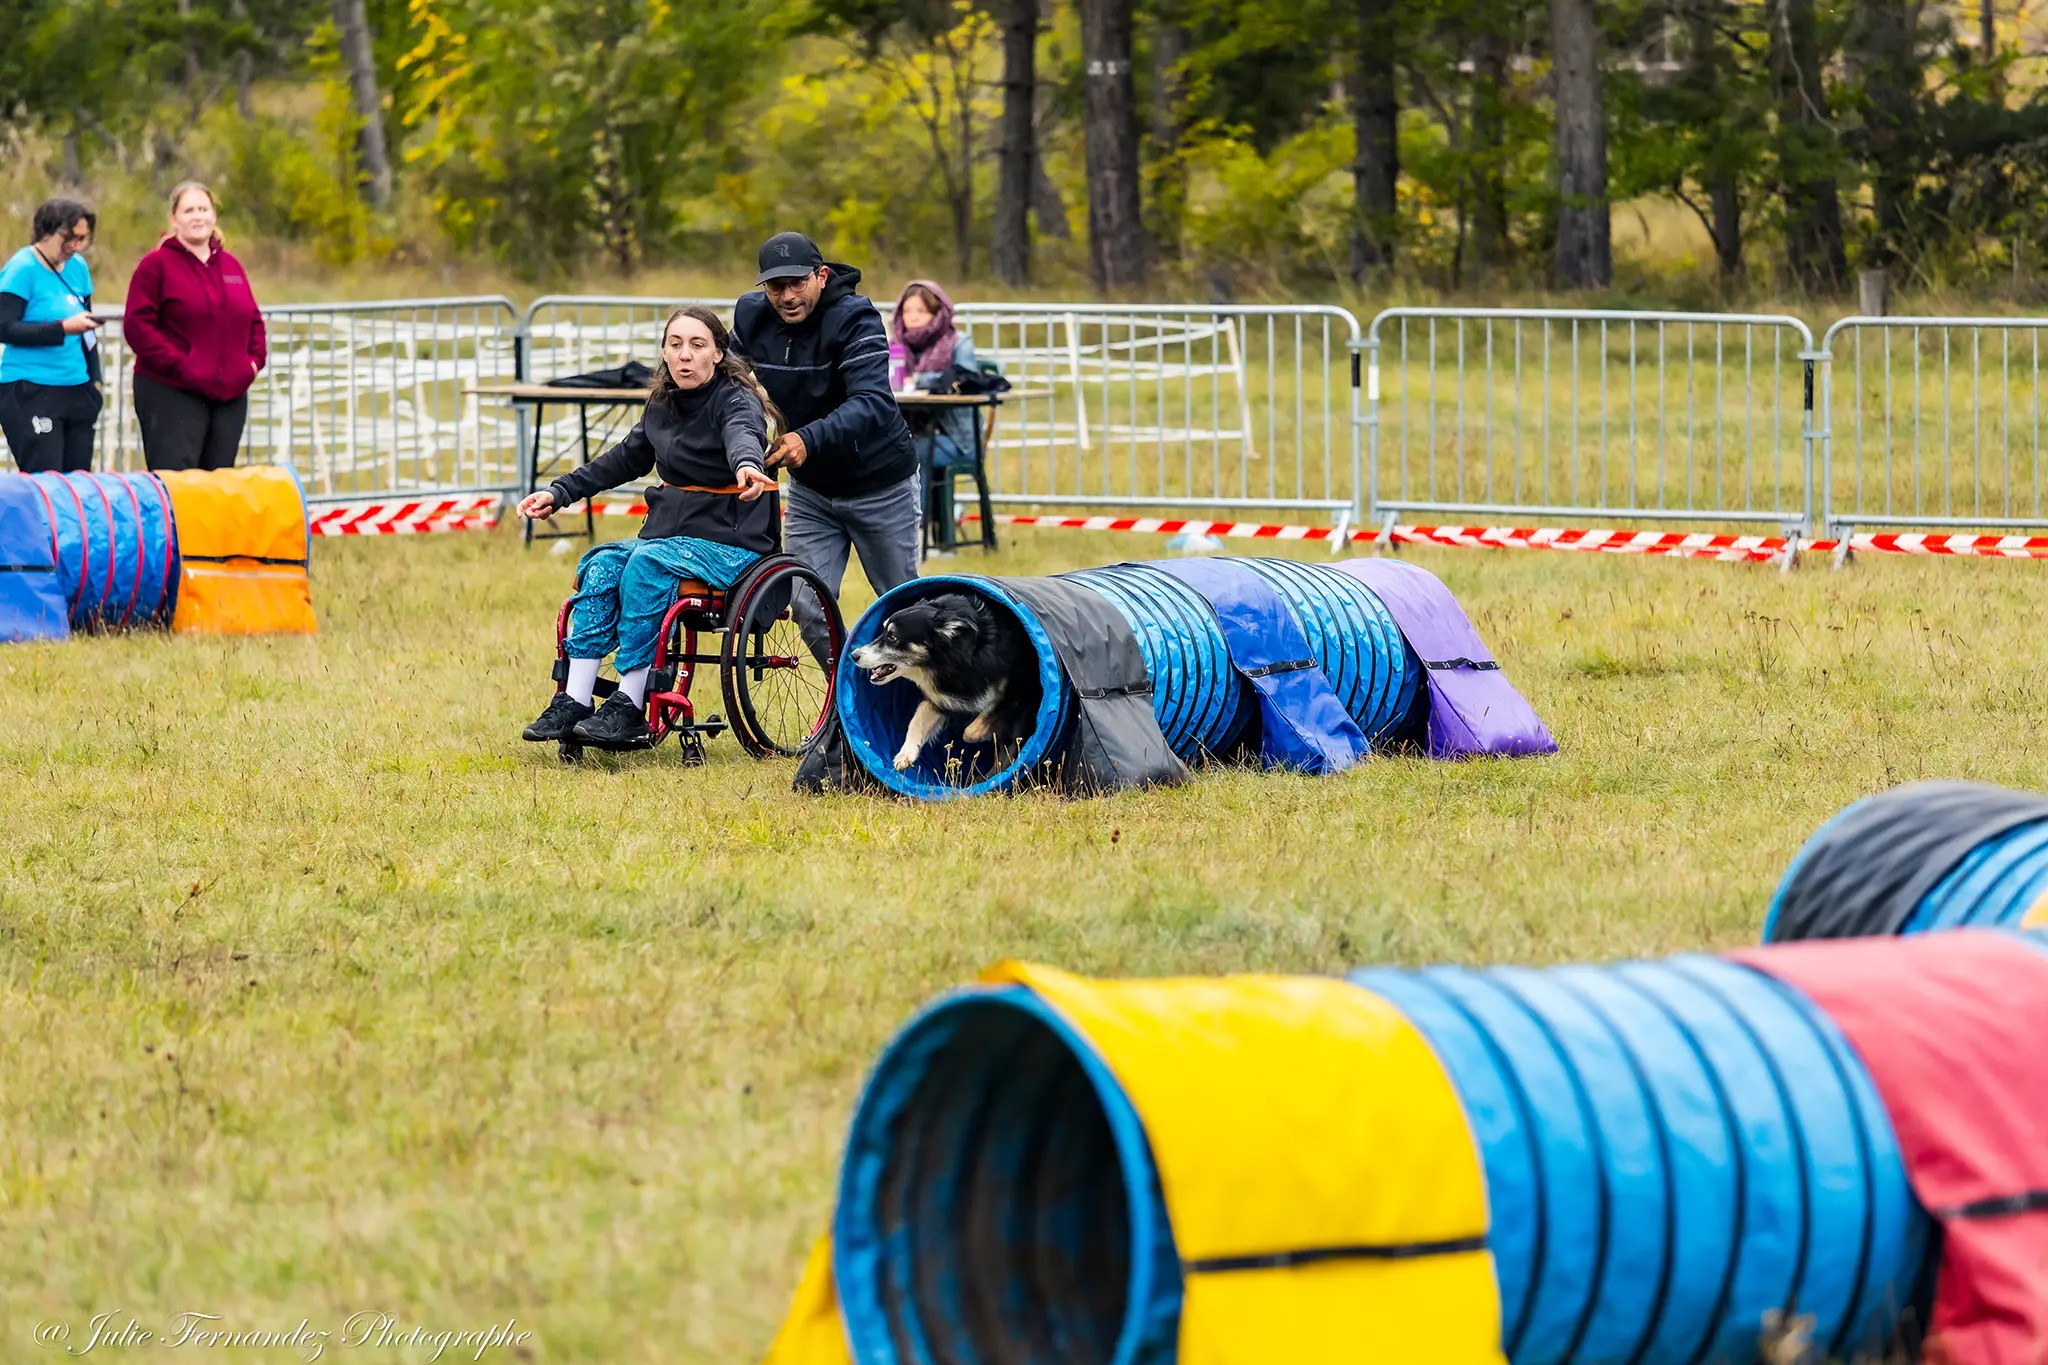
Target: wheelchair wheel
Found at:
777, 692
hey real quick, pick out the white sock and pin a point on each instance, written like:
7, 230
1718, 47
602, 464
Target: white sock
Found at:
582, 680
634, 685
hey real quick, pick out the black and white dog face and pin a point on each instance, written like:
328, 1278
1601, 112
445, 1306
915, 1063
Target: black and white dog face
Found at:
918, 639
966, 658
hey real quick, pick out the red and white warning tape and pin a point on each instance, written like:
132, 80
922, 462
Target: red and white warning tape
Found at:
1609, 541
480, 511
1695, 544
1916, 543
468, 512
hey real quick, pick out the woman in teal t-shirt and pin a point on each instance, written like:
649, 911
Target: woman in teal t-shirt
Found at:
50, 371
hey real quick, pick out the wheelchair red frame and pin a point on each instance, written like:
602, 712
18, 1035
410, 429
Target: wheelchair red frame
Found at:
754, 620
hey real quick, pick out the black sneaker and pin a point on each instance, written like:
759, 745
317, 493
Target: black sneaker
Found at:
618, 724
558, 720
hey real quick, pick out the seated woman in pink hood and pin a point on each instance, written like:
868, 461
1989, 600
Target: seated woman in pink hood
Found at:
923, 327
192, 323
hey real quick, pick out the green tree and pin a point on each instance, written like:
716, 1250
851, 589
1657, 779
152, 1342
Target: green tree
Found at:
548, 130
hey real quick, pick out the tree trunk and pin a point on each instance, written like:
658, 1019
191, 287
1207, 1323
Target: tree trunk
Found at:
1806, 152
1171, 43
1490, 243
352, 24
1708, 75
245, 78
1018, 154
1894, 83
1116, 227
1725, 203
72, 174
1585, 252
245, 68
1375, 113
1048, 210
963, 134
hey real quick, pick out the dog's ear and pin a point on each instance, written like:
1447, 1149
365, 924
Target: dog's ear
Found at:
954, 629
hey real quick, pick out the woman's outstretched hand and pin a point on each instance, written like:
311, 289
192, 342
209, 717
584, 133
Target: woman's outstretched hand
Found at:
534, 506
753, 483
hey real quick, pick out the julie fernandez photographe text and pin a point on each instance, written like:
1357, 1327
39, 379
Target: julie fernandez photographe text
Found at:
116, 1331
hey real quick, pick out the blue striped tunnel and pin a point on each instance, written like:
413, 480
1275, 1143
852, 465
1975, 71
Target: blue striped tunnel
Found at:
1675, 1154
1921, 857
1196, 693
1198, 696
115, 543
1674, 1150
1994, 886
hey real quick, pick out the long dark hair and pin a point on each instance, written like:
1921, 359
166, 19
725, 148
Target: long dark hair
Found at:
731, 363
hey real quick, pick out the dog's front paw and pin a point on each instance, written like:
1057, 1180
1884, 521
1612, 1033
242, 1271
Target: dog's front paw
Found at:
905, 756
977, 729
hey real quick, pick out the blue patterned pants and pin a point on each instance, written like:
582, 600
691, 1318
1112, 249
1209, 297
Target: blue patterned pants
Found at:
624, 588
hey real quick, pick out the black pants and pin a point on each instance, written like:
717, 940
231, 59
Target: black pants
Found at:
186, 430
49, 427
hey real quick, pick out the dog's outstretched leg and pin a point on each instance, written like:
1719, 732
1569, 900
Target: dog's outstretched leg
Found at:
981, 727
923, 726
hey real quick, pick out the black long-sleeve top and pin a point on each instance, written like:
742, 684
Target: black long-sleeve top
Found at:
695, 440
15, 332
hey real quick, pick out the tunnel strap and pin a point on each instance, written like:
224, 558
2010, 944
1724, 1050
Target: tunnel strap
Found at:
244, 559
1287, 1260
1325, 1191
2000, 1206
1098, 693
1268, 670
1482, 665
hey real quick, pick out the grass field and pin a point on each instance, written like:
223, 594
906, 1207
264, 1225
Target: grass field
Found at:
321, 993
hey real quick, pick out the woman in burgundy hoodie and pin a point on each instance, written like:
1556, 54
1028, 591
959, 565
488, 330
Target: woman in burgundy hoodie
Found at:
191, 323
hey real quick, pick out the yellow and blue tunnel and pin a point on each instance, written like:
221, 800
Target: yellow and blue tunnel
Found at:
1659, 1163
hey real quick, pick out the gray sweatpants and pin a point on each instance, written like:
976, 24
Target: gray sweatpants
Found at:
883, 526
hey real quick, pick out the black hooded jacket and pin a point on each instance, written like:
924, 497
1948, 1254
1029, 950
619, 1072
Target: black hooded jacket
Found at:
830, 376
693, 439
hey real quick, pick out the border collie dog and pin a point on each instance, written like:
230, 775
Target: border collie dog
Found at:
968, 659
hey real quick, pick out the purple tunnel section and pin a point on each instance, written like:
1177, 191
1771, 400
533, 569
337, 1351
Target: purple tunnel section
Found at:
1473, 708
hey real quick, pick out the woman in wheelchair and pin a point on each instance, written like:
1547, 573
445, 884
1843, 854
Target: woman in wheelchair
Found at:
705, 432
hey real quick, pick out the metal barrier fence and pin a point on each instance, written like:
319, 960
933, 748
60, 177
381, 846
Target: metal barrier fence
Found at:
362, 398
1173, 406
1538, 413
1590, 414
1927, 423
1125, 406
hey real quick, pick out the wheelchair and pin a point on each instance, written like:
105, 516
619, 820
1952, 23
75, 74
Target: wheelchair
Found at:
777, 693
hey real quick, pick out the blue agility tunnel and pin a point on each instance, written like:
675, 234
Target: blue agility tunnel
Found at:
1928, 855
115, 544
32, 605
1639, 1164
1309, 666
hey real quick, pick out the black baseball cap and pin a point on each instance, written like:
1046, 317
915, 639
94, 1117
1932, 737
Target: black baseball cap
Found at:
788, 256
